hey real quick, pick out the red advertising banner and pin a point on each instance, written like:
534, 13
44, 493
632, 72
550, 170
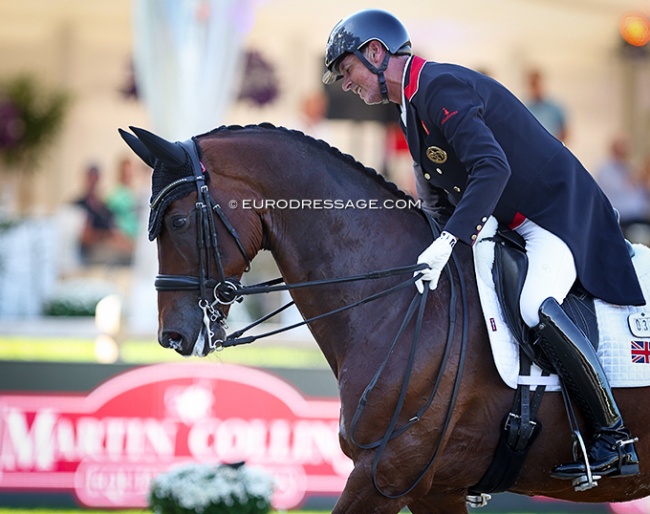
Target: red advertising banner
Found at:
105, 447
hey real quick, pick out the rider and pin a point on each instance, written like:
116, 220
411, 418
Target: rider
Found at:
479, 152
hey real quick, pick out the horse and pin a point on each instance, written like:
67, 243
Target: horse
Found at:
345, 222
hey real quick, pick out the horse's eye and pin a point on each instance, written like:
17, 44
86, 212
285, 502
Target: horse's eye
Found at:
179, 222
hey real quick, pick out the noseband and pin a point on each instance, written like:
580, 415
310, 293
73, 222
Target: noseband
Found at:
212, 292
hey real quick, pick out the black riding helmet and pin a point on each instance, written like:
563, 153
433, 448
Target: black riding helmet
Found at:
354, 32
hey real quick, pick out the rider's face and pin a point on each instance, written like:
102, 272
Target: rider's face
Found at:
360, 80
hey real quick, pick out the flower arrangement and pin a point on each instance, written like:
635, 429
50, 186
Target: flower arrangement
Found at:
30, 118
259, 84
211, 489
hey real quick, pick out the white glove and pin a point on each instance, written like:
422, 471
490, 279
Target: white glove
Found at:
435, 256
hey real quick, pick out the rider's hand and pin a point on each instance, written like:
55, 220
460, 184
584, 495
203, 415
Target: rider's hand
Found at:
435, 256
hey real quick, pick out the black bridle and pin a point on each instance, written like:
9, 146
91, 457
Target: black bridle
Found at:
212, 292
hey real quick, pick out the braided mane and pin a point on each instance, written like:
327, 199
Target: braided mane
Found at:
320, 144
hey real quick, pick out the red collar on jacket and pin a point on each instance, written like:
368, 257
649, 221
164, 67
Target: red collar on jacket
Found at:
413, 77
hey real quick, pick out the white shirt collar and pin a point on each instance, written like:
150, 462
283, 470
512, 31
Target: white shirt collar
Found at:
403, 106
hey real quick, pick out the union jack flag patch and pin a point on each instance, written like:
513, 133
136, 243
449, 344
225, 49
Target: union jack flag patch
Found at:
640, 352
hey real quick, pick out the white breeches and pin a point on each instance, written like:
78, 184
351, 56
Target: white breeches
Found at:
551, 270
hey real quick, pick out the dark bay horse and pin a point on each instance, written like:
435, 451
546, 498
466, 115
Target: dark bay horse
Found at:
254, 173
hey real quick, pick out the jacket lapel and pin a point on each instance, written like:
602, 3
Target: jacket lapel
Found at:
411, 85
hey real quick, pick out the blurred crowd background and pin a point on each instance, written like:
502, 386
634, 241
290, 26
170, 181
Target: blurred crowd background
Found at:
73, 200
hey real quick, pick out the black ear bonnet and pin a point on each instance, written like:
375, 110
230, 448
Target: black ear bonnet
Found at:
164, 176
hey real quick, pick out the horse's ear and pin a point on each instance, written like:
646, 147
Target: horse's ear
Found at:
171, 154
138, 147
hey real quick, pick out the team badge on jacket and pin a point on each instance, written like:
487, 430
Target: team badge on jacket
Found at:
437, 155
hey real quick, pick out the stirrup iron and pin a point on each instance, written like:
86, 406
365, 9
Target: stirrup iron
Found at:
588, 480
477, 501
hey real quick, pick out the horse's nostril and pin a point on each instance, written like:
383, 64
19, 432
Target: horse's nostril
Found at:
171, 340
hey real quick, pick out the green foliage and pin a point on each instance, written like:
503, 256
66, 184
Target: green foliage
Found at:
70, 307
77, 298
30, 118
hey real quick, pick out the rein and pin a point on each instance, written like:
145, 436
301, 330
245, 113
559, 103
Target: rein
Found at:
392, 431
226, 291
235, 338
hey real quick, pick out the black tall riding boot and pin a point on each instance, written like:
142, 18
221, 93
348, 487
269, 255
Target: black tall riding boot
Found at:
611, 450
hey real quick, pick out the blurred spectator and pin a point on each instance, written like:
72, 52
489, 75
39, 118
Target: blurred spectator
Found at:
548, 112
313, 109
100, 241
624, 186
123, 200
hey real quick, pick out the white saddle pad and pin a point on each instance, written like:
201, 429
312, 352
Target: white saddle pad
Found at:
624, 355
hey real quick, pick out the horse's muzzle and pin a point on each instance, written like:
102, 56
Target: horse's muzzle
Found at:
200, 345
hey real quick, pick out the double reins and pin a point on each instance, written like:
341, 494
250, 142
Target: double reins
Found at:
236, 338
393, 431
227, 290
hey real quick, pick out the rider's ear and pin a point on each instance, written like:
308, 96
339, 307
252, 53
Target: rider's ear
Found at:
375, 52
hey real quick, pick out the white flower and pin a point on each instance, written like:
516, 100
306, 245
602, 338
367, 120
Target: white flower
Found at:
196, 487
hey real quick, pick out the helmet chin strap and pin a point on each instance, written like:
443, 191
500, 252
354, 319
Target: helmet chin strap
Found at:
383, 88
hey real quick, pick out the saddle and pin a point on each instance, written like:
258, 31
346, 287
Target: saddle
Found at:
520, 427
509, 273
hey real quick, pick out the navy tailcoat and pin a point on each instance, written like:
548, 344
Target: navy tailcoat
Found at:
478, 147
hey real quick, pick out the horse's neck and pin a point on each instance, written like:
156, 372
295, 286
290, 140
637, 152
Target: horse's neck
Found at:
342, 228
317, 244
